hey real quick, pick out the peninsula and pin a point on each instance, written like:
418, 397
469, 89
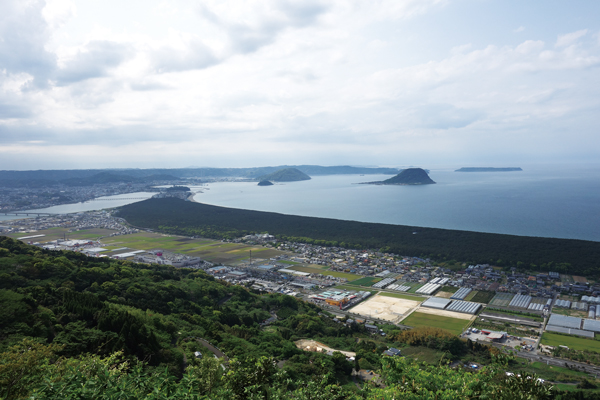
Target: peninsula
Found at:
409, 176
488, 169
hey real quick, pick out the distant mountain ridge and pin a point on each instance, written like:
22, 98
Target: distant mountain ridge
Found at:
286, 175
488, 169
253, 172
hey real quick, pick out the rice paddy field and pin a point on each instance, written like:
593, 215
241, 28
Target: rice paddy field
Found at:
572, 342
454, 325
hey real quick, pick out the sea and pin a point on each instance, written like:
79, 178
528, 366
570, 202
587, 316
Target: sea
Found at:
556, 202
543, 201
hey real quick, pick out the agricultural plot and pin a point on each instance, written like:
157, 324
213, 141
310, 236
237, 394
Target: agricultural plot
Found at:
385, 307
572, 342
59, 233
207, 249
366, 281
418, 319
502, 299
415, 288
481, 297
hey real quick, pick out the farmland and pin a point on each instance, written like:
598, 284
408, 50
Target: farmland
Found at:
572, 342
418, 319
367, 281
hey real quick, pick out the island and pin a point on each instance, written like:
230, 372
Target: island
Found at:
409, 176
265, 183
285, 175
488, 169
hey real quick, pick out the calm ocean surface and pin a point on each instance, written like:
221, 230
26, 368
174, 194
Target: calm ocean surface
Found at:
99, 203
561, 203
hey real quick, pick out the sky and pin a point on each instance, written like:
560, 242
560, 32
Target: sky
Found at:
220, 83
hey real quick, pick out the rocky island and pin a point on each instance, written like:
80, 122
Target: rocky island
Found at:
265, 183
285, 175
409, 176
487, 169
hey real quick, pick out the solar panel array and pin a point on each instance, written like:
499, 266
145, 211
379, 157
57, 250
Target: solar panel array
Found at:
569, 331
428, 288
562, 303
591, 325
467, 307
384, 282
520, 301
461, 293
436, 302
564, 321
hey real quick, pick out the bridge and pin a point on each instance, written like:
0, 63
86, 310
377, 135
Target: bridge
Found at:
27, 213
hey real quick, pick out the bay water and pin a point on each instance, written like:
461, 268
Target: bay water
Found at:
542, 201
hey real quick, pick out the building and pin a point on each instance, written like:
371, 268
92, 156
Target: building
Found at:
392, 352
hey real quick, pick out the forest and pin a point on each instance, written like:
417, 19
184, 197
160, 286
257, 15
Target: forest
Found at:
176, 216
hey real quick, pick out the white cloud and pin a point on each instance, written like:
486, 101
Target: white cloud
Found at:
570, 38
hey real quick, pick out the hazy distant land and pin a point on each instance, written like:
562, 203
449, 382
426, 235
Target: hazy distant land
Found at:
488, 169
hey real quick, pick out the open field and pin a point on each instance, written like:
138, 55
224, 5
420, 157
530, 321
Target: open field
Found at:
366, 281
424, 354
385, 307
445, 313
481, 296
572, 342
59, 233
402, 296
207, 249
444, 295
312, 345
415, 287
418, 319
336, 274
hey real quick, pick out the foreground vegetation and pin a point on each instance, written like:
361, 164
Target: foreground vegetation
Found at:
533, 253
